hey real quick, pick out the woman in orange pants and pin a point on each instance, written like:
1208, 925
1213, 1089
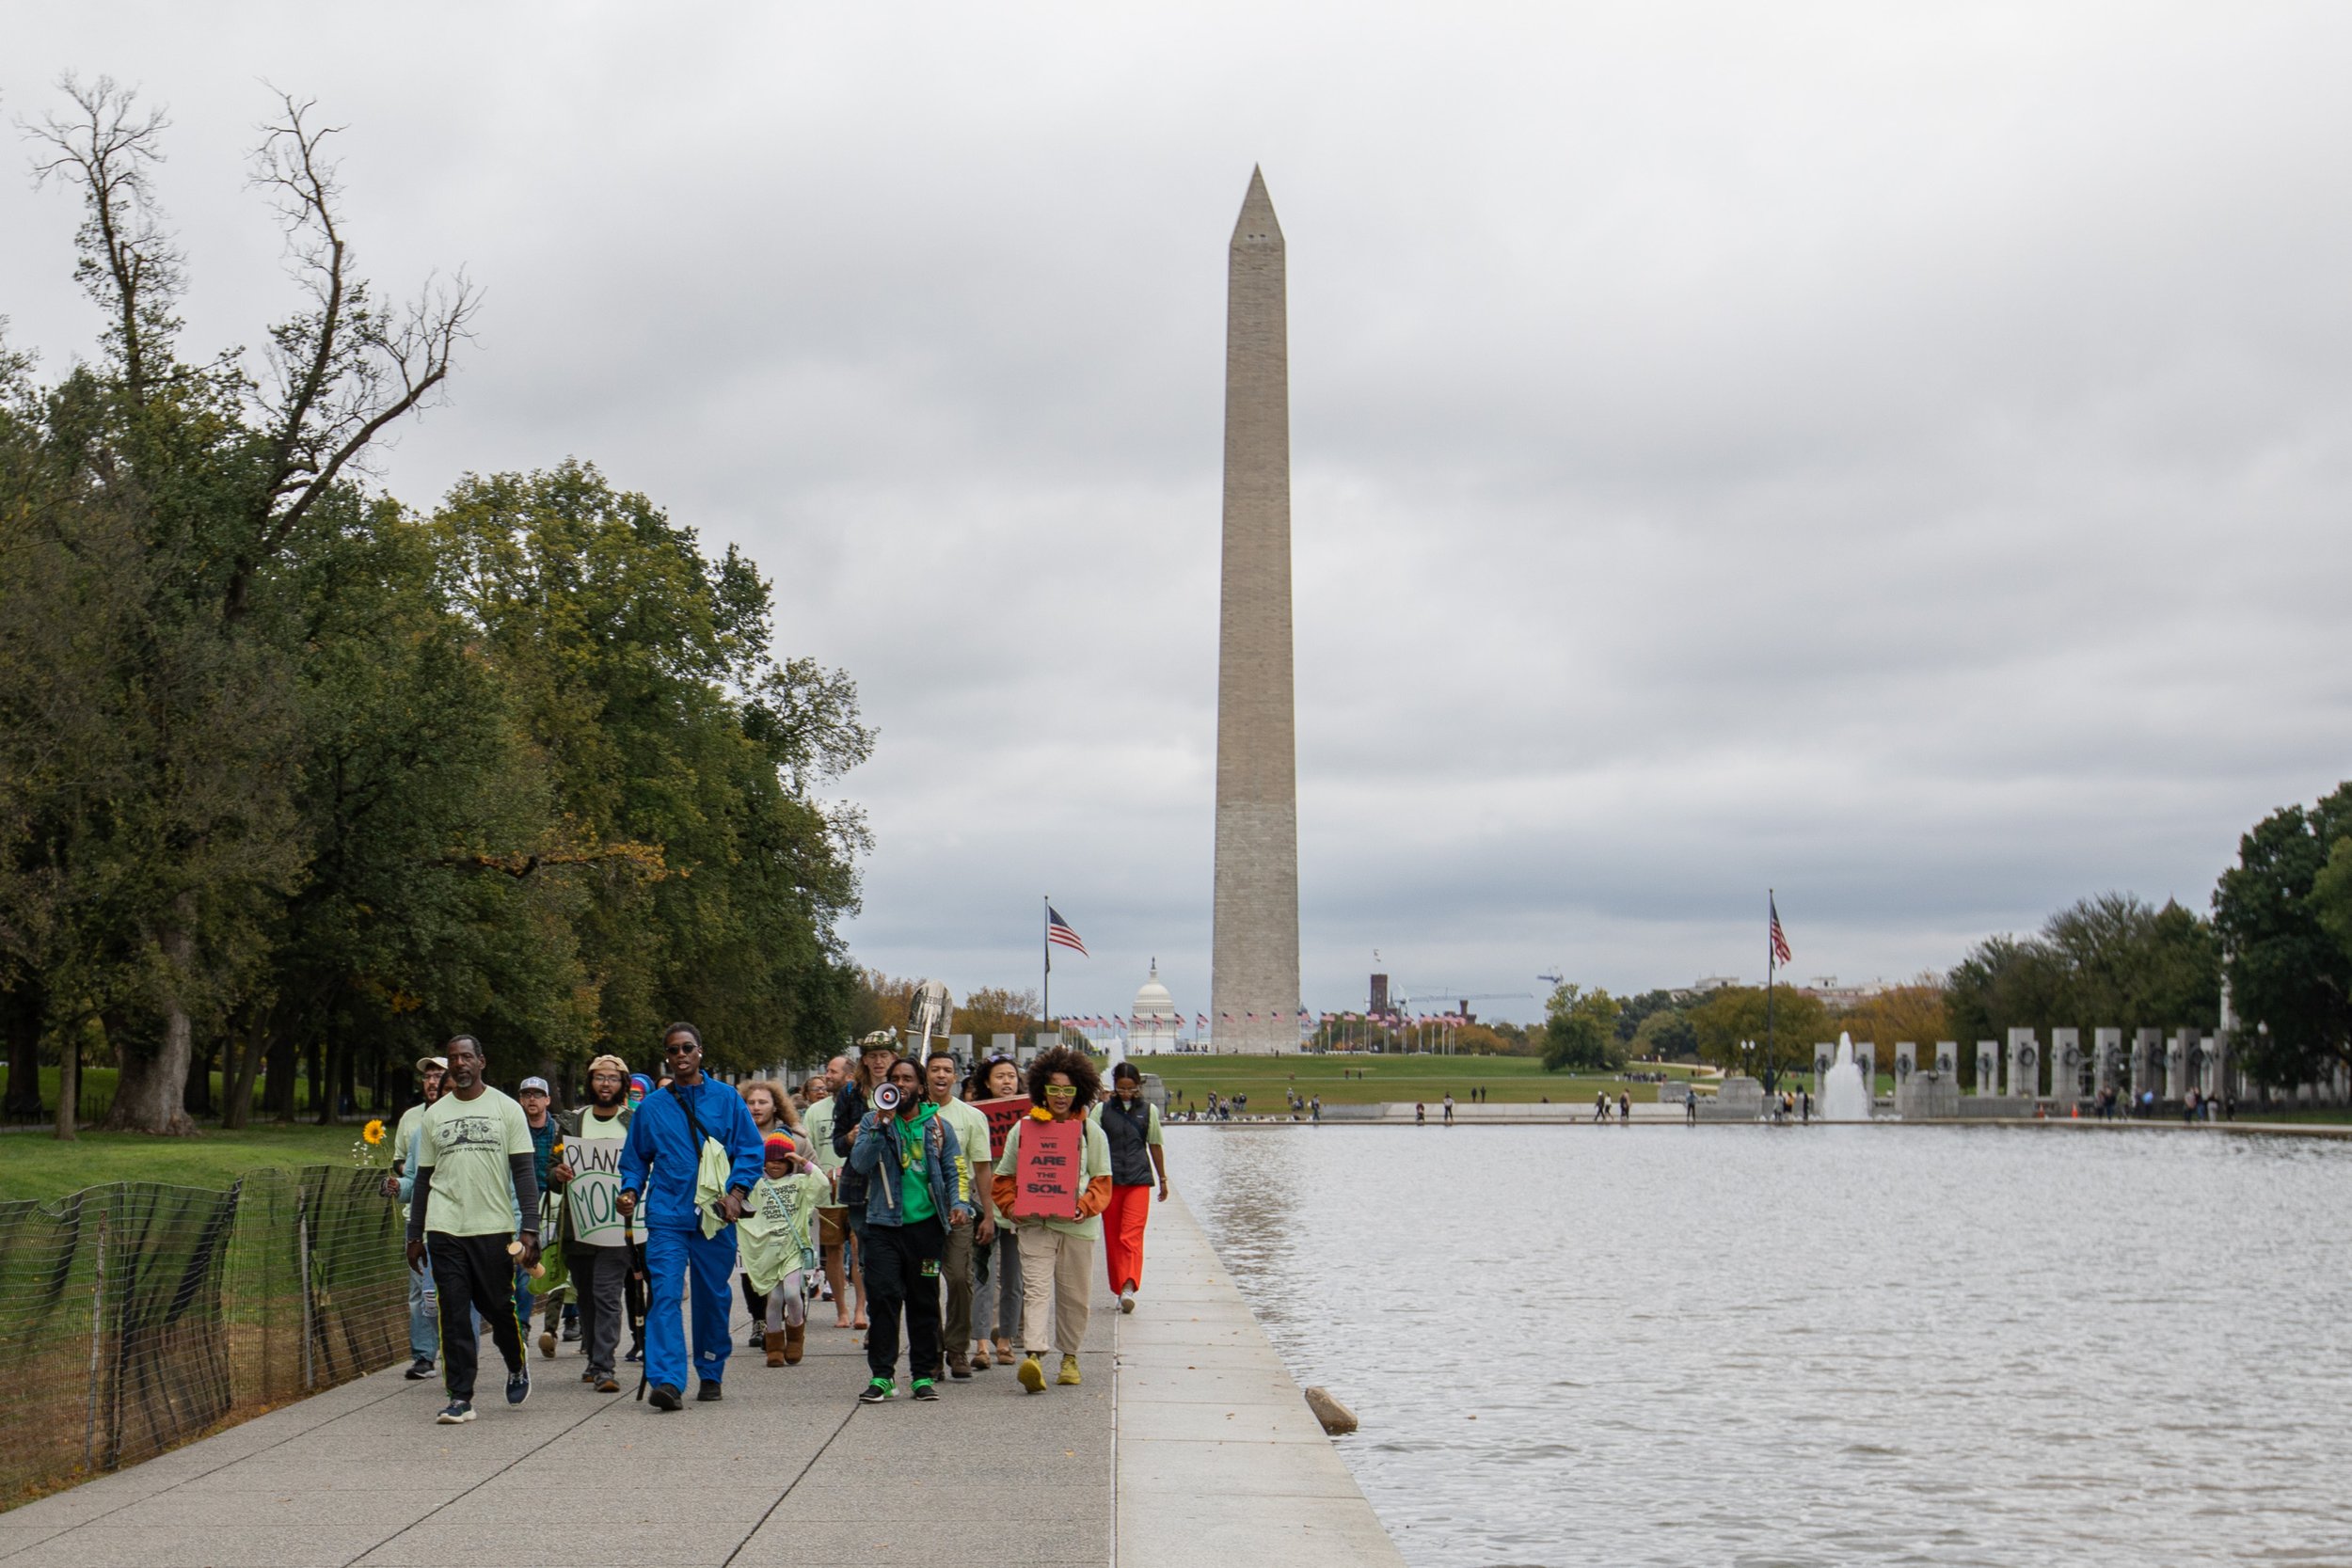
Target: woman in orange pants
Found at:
1139, 1162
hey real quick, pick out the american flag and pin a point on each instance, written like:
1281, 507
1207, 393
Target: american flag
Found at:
1780, 938
1057, 932
1200, 1021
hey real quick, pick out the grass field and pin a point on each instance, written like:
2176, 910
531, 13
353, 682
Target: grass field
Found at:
1363, 1080
35, 1165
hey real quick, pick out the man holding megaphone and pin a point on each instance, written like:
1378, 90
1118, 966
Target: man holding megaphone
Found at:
692, 1157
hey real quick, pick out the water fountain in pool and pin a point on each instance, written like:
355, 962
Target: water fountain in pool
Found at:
1844, 1096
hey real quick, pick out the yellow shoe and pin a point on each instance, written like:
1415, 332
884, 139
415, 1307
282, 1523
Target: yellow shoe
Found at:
1032, 1376
1069, 1372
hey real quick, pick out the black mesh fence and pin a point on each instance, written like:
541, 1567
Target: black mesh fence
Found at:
136, 1316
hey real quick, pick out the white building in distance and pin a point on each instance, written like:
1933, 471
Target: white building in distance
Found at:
1153, 1023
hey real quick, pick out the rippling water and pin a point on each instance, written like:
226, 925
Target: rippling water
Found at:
1734, 1345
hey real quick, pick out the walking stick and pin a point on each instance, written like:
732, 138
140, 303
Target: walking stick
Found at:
633, 1293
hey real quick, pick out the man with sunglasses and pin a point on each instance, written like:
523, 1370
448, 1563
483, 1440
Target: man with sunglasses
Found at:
692, 1156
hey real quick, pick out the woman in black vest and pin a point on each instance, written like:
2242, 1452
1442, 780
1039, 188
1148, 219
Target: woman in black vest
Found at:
1139, 1162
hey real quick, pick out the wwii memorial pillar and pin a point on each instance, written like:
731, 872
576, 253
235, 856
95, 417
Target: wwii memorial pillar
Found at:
1253, 961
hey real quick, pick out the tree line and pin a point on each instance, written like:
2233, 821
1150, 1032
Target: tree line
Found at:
2278, 936
295, 780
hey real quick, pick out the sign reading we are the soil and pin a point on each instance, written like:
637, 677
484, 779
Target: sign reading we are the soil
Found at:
1046, 1180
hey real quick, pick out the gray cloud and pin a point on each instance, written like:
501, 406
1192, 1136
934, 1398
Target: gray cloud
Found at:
1895, 457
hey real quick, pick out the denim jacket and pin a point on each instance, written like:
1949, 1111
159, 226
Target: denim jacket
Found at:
874, 1155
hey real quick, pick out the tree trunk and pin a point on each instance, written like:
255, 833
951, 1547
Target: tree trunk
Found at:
236, 1108
346, 1082
280, 1094
153, 1084
313, 1071
198, 1098
70, 1084
21, 1013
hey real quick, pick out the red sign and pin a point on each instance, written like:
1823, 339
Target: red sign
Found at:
1001, 1115
1045, 1184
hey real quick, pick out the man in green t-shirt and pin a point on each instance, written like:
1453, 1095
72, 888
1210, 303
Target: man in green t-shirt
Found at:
955, 1259
474, 1178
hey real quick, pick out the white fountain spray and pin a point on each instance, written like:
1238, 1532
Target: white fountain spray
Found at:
1844, 1096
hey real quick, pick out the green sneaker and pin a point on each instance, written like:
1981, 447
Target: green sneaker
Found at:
877, 1391
926, 1388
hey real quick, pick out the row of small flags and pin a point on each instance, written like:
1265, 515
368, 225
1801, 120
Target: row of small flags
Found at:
1200, 1021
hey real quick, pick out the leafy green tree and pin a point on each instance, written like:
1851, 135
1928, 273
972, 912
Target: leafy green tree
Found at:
1581, 1031
1733, 1033
2110, 961
645, 673
1666, 1034
2282, 913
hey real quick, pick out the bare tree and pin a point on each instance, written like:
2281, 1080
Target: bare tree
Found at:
243, 481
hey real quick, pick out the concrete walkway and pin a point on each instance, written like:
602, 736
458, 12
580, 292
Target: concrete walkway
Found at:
787, 1469
1220, 1462
1186, 1445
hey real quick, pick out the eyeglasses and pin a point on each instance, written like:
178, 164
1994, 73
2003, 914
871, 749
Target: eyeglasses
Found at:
1060, 1091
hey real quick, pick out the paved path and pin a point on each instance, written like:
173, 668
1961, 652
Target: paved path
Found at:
1188, 1446
787, 1469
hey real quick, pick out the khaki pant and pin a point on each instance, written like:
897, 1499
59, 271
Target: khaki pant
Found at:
1057, 1272
955, 1274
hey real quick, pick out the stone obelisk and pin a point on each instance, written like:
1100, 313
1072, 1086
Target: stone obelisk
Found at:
1254, 973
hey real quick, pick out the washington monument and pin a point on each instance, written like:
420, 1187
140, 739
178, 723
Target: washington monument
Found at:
1253, 964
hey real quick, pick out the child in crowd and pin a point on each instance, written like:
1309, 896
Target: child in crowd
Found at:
779, 1248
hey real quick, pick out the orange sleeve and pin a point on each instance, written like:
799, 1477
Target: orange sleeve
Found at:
1002, 1190
1096, 1198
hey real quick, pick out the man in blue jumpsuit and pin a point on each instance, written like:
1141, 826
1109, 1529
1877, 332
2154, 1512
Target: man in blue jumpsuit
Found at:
659, 1163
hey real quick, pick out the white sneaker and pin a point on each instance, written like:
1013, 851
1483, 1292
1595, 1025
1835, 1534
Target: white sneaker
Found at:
1127, 1299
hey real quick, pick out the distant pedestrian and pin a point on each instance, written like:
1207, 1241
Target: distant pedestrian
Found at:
1420, 1113
1600, 1106
1315, 1110
1625, 1108
1449, 1108
1690, 1106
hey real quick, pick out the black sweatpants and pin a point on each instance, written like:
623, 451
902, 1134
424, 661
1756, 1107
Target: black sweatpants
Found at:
473, 1274
902, 1275
597, 1274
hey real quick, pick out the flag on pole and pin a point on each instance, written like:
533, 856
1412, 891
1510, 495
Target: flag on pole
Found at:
1780, 938
1057, 932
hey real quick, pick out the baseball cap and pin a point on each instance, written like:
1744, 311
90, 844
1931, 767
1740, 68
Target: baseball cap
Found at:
432, 1064
530, 1084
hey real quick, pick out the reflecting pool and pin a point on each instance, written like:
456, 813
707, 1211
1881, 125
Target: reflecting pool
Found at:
1760, 1345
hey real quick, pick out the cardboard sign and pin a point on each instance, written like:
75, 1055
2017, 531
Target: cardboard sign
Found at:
1045, 1182
594, 1191
1001, 1115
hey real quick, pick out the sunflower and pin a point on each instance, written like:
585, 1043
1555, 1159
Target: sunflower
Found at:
373, 1131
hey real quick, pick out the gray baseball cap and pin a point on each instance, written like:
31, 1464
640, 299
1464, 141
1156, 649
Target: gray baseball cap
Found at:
530, 1084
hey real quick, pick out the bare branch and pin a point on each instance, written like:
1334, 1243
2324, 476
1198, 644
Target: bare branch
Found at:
128, 264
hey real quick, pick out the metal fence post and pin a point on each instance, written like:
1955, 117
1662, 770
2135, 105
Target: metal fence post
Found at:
302, 1241
97, 1331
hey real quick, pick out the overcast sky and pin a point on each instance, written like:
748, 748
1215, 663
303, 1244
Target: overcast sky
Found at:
1894, 454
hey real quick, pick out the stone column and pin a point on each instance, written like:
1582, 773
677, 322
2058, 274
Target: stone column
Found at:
2066, 1064
2025, 1064
2110, 1051
1825, 1057
1906, 1062
2176, 1064
1948, 1059
1988, 1068
2147, 1057
1866, 1057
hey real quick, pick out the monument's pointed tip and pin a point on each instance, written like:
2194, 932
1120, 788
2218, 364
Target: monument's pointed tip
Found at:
1257, 220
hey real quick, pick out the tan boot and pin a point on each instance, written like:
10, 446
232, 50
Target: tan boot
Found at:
775, 1348
795, 1339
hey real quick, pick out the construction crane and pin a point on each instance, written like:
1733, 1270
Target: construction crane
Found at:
1553, 979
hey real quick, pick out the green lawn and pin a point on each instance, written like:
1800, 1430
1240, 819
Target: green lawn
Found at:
1515, 1079
34, 1164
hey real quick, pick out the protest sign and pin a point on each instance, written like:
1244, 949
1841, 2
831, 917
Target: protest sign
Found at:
1045, 1182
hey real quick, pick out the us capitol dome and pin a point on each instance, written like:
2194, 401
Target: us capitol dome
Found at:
1154, 1022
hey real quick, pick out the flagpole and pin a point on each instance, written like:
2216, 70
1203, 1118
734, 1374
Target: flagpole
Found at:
1045, 947
1770, 954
